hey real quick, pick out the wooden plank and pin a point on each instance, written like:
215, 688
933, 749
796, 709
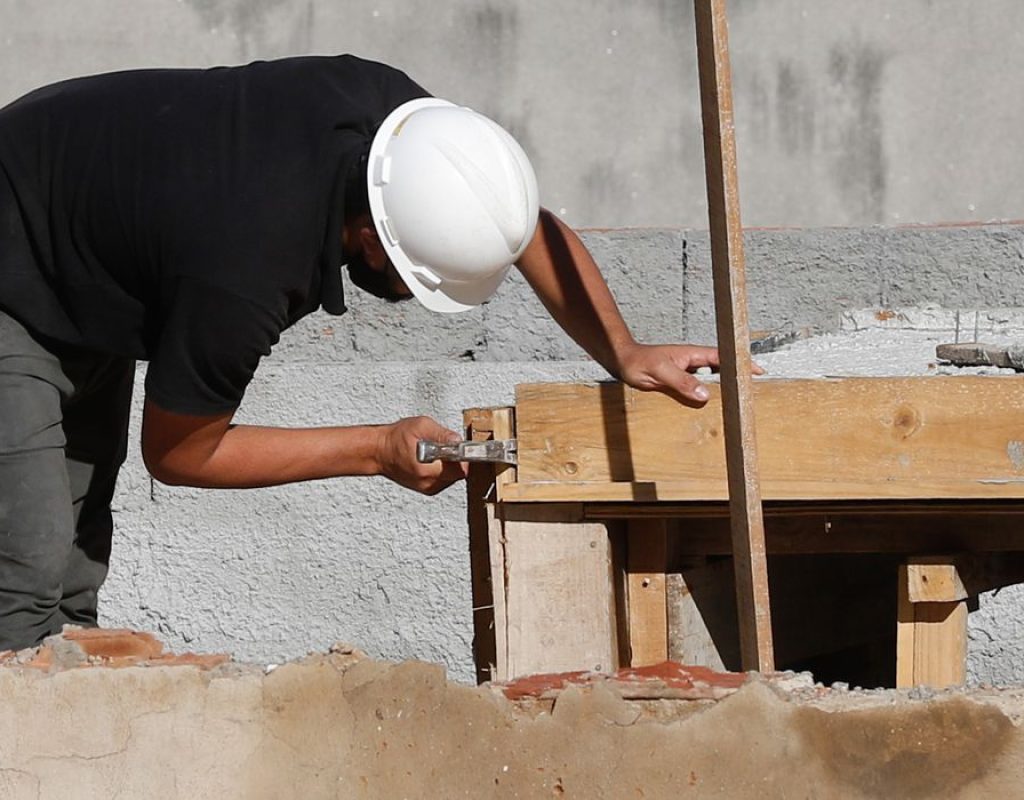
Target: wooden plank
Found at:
811, 490
727, 266
560, 598
921, 508
940, 644
931, 638
499, 593
990, 539
876, 532
850, 439
647, 556
482, 424
905, 630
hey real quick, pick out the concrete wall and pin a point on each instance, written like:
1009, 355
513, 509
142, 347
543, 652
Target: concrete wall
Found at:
847, 113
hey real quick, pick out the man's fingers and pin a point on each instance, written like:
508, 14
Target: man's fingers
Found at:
453, 471
450, 437
688, 391
445, 473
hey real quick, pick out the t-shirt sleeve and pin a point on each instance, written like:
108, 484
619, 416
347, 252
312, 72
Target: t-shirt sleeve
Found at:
211, 341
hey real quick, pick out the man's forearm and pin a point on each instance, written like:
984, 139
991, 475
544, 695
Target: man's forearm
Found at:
250, 456
570, 285
210, 452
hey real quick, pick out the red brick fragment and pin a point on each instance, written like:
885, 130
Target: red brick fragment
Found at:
538, 685
674, 674
669, 679
115, 643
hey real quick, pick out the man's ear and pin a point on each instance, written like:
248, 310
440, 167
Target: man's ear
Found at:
372, 249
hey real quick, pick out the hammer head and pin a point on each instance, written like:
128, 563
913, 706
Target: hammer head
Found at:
494, 451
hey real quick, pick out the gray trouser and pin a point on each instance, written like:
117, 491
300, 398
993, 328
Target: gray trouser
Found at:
63, 437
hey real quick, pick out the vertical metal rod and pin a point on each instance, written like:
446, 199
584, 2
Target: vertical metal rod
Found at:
749, 557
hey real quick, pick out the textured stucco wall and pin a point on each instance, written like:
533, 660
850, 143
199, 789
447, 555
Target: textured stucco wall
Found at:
847, 113
269, 574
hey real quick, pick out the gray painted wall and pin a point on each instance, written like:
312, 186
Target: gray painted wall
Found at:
848, 113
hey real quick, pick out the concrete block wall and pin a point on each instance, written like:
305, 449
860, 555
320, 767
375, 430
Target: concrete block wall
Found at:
270, 574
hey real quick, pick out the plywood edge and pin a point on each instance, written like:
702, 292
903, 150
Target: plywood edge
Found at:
544, 388
771, 490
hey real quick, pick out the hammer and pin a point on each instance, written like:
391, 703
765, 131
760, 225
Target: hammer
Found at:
494, 451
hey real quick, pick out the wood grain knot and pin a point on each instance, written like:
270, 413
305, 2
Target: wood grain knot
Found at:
906, 422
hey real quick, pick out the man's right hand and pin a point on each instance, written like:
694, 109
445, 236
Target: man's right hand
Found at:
397, 455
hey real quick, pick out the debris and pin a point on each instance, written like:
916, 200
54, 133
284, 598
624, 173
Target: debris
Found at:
76, 648
977, 354
770, 341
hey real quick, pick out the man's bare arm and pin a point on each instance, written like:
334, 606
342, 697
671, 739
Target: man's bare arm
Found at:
211, 452
567, 280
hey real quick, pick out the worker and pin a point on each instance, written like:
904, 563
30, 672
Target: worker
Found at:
186, 218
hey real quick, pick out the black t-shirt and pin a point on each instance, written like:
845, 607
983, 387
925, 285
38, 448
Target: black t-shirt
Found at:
185, 216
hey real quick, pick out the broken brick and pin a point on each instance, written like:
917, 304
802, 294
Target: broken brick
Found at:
669, 679
115, 643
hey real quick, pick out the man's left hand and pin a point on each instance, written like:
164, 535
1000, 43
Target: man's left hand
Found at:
668, 368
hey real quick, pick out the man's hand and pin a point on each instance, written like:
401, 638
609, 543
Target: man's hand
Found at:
567, 280
667, 368
397, 455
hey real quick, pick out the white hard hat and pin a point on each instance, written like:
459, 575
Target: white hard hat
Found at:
454, 200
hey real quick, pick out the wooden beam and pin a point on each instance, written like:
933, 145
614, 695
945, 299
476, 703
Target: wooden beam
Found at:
931, 637
848, 439
482, 424
877, 532
905, 630
727, 266
646, 562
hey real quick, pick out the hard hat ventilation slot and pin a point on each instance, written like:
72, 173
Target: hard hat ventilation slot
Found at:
382, 171
426, 277
389, 231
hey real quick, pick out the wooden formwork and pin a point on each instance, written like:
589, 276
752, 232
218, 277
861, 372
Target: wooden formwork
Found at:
574, 551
